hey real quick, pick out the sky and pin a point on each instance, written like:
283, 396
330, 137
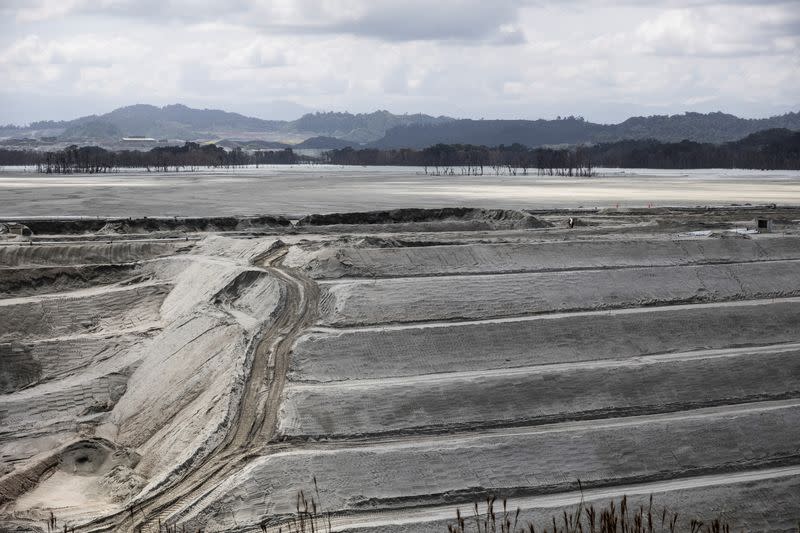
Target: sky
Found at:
601, 59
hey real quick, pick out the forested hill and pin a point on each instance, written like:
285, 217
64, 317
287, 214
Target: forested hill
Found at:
362, 127
699, 127
382, 129
181, 122
172, 121
775, 149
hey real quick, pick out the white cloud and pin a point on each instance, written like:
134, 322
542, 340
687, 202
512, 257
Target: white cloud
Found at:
716, 31
409, 20
259, 53
596, 58
80, 50
36, 11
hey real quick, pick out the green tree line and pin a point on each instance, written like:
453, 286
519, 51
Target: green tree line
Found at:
93, 159
777, 149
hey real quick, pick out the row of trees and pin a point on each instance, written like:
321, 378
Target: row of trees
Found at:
777, 149
770, 149
465, 159
92, 159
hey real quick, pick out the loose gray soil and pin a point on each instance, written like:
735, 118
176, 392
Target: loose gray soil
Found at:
199, 372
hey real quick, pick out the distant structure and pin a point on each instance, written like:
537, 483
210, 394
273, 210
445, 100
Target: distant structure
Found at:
764, 225
138, 139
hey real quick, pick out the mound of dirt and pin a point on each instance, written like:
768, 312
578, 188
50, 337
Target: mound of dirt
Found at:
149, 225
491, 217
371, 241
18, 282
93, 253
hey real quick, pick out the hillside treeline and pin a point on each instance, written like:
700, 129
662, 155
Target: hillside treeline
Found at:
449, 159
699, 127
777, 149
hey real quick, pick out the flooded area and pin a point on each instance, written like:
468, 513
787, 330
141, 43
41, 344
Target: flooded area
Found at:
302, 189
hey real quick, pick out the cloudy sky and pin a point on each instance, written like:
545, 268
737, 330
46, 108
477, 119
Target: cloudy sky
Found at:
602, 59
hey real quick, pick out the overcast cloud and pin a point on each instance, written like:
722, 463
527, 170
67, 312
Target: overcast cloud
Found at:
501, 59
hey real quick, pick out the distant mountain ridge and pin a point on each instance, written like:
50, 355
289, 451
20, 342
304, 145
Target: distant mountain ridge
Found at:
362, 127
701, 127
178, 121
382, 129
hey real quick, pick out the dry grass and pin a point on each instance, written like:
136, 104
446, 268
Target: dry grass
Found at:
614, 518
309, 516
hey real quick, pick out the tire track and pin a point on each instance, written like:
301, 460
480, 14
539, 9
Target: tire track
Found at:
256, 418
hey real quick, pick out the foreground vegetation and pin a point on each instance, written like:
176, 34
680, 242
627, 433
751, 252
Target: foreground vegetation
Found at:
612, 518
496, 517
617, 516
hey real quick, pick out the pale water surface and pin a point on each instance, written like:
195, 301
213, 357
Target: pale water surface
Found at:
302, 189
